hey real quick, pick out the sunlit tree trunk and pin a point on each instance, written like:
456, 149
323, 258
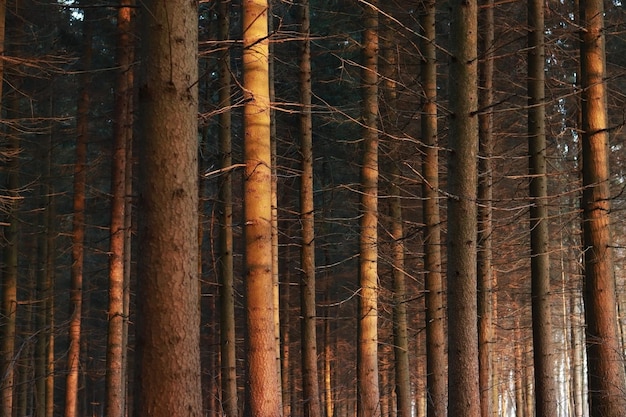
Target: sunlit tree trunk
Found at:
543, 349
463, 391
310, 381
115, 366
78, 225
607, 379
434, 285
168, 310
263, 390
226, 274
368, 394
485, 277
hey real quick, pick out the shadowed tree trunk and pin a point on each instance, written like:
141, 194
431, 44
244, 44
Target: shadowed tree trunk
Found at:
543, 349
463, 390
168, 310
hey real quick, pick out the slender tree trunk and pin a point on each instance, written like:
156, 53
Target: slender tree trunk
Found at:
263, 389
226, 274
328, 377
543, 349
463, 390
78, 226
607, 379
310, 381
434, 286
168, 310
115, 367
485, 277
368, 395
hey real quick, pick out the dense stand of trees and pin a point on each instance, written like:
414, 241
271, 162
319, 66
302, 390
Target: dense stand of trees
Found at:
317, 208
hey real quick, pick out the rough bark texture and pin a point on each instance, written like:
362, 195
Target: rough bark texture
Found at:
434, 286
368, 394
543, 349
607, 379
463, 391
168, 313
263, 390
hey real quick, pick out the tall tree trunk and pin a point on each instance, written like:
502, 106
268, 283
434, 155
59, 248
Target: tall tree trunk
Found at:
263, 390
434, 285
543, 349
168, 311
122, 130
310, 381
368, 395
485, 277
400, 332
463, 391
226, 274
607, 379
78, 224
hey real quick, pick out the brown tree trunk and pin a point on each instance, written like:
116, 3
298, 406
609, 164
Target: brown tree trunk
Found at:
310, 381
434, 286
607, 379
263, 390
543, 349
115, 366
225, 271
463, 391
485, 277
168, 311
368, 394
78, 225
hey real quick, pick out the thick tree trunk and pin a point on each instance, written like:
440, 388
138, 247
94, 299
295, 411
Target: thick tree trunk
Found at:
263, 390
434, 285
168, 311
543, 349
463, 391
368, 394
607, 379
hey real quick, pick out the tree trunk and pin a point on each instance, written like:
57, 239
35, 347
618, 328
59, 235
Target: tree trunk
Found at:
463, 391
168, 311
122, 130
368, 394
607, 379
78, 225
434, 286
543, 349
310, 380
485, 277
263, 389
225, 271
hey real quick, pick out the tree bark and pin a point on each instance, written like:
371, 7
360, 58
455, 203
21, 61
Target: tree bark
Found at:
543, 349
607, 379
122, 130
168, 311
463, 390
434, 285
368, 394
310, 380
263, 390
